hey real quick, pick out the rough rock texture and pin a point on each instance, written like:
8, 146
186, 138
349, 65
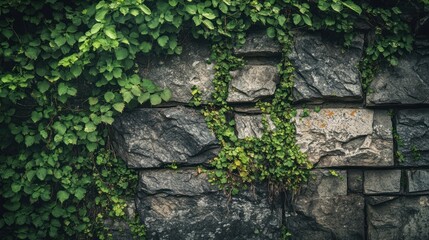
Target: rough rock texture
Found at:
258, 44
413, 132
180, 73
323, 210
418, 180
406, 83
346, 137
325, 70
404, 218
182, 205
147, 138
251, 125
382, 181
252, 82
355, 181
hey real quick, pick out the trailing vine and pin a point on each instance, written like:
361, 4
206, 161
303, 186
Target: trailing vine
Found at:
67, 69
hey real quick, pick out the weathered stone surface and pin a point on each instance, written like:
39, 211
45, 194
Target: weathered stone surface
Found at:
251, 125
355, 181
413, 132
346, 137
181, 204
418, 180
258, 44
405, 218
325, 70
406, 83
147, 138
182, 72
252, 82
323, 210
382, 181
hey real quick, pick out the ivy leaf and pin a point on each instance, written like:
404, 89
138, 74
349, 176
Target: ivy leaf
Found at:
337, 7
166, 94
209, 15
143, 98
109, 96
155, 99
307, 20
162, 41
119, 107
107, 119
60, 41
145, 47
41, 173
145, 9
57, 211
80, 193
43, 86
99, 16
90, 127
271, 32
128, 96
92, 101
62, 196
282, 20
296, 19
62, 89
353, 6
76, 70
191, 9
91, 146
208, 24
16, 187
121, 53
29, 140
110, 32
96, 28
36, 116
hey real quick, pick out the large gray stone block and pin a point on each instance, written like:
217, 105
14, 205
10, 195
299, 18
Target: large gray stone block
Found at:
258, 44
156, 137
346, 137
407, 83
413, 136
182, 204
323, 210
325, 70
382, 181
251, 125
404, 218
180, 73
252, 83
418, 180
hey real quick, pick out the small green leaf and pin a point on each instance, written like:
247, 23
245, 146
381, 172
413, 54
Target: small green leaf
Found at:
155, 99
92, 146
62, 196
110, 32
145, 47
145, 9
282, 20
41, 173
208, 24
29, 140
43, 86
109, 96
162, 41
90, 127
337, 7
127, 96
271, 32
166, 94
96, 28
107, 119
296, 19
121, 53
307, 20
36, 116
16, 187
99, 16
209, 15
119, 107
92, 101
191, 8
80, 193
143, 98
76, 70
353, 6
62, 89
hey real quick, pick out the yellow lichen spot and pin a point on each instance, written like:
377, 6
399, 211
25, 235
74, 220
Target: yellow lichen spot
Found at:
330, 113
353, 113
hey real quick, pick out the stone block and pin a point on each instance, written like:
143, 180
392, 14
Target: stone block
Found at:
346, 137
404, 84
403, 218
412, 127
251, 125
258, 44
325, 70
181, 204
252, 83
418, 180
148, 138
323, 210
355, 181
382, 181
180, 73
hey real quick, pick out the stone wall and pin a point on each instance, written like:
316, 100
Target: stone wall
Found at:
370, 152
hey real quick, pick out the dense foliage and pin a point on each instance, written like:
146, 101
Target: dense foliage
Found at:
69, 67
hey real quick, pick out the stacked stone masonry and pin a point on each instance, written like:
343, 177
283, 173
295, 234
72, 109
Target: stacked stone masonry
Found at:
370, 151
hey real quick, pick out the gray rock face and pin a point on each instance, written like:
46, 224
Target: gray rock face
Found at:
323, 210
418, 180
399, 218
181, 73
258, 44
413, 132
382, 181
147, 138
251, 125
346, 137
355, 181
252, 82
325, 70
406, 83
183, 205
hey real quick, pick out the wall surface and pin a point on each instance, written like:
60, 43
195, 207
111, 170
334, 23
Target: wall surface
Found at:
377, 144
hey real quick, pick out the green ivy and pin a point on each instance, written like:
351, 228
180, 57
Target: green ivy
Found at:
67, 69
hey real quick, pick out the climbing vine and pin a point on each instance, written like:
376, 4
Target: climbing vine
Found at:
68, 68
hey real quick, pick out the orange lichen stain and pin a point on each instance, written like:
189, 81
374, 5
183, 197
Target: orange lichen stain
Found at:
353, 113
330, 113
323, 125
